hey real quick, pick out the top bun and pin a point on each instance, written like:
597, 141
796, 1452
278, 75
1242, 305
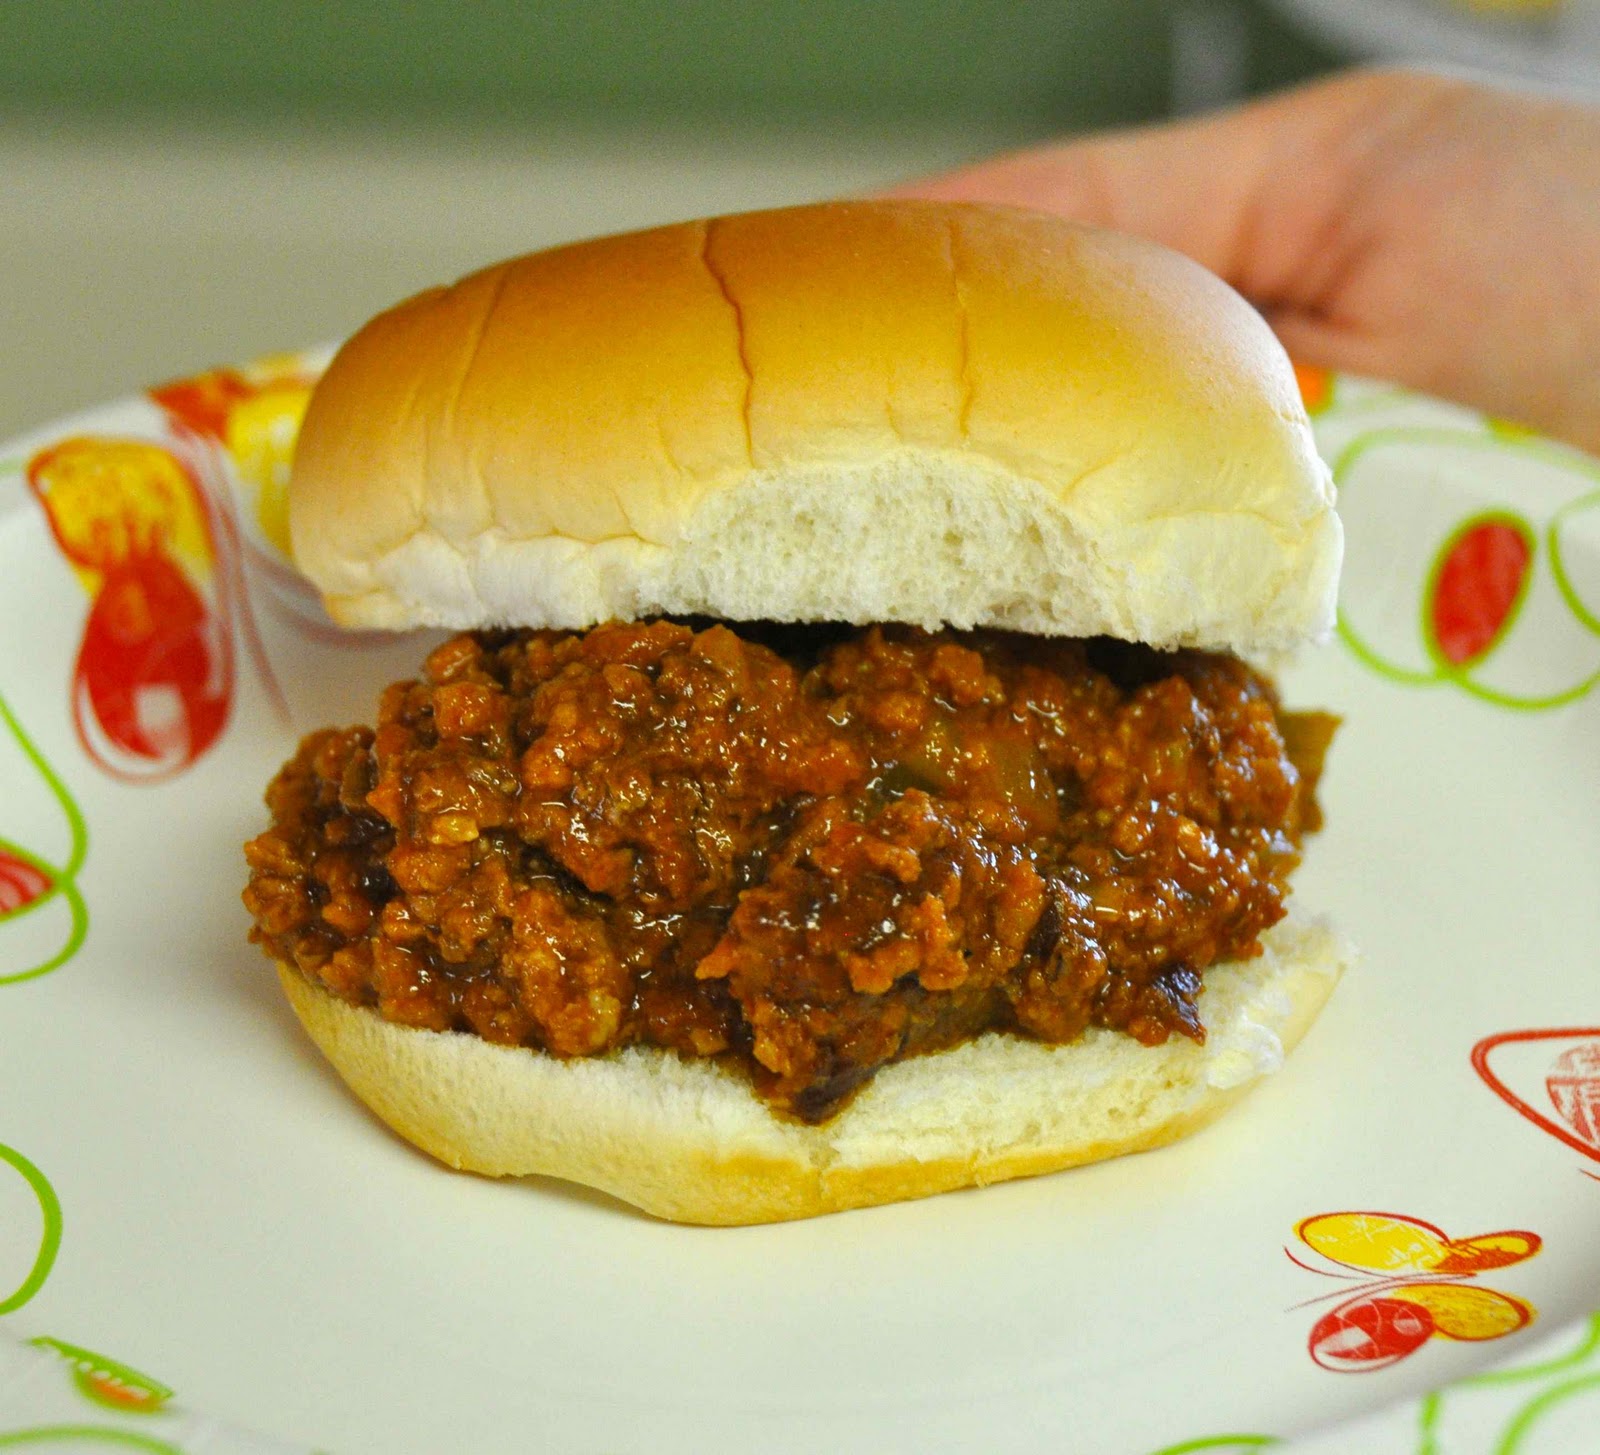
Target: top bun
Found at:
860, 411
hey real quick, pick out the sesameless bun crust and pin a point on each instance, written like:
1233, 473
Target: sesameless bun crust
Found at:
859, 411
691, 1142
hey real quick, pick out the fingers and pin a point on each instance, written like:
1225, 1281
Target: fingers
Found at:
1406, 226
1187, 186
1256, 194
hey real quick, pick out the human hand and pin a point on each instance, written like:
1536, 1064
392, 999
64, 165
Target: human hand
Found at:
1432, 231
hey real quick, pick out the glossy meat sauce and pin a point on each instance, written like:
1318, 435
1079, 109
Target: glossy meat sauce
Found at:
812, 851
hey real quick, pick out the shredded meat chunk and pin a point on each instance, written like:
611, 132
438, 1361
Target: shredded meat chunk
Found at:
812, 851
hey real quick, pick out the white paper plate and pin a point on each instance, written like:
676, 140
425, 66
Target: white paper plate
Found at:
186, 1190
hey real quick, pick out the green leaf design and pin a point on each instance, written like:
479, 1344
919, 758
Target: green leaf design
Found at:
101, 1435
1516, 1433
107, 1383
62, 881
1554, 1390
1220, 1445
1439, 670
50, 1241
1558, 559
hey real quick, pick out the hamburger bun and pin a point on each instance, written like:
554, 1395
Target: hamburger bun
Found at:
862, 412
893, 411
689, 1141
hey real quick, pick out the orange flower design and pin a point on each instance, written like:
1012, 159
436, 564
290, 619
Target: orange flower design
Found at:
153, 682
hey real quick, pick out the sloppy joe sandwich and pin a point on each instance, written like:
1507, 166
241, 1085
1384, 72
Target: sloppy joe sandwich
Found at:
850, 782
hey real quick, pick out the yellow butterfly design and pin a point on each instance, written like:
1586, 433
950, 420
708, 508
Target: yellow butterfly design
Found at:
1422, 1290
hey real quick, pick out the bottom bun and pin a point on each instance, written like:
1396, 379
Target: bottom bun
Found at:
690, 1140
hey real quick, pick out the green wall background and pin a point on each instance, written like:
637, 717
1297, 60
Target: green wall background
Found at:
1028, 64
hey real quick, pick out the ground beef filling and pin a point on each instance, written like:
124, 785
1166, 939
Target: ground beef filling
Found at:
809, 851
